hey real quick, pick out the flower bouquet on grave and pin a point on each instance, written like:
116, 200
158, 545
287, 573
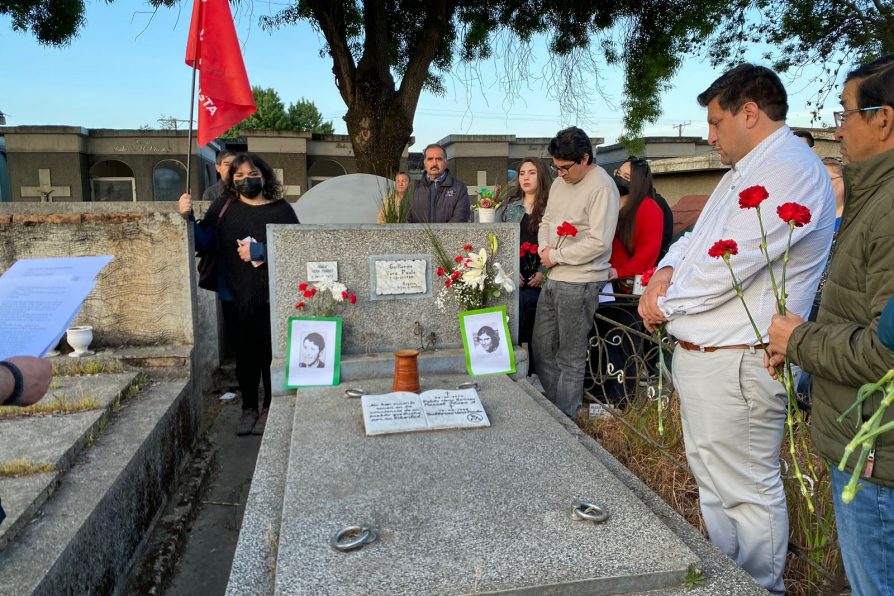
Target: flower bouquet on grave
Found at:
796, 216
487, 204
323, 298
471, 279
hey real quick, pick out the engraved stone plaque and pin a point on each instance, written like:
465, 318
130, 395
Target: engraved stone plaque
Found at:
405, 276
322, 271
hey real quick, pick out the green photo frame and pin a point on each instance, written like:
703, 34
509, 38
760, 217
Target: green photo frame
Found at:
313, 352
486, 341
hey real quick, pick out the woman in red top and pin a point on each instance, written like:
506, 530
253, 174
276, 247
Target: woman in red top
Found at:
635, 249
637, 242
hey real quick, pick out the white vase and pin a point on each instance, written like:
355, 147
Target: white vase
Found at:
79, 338
487, 215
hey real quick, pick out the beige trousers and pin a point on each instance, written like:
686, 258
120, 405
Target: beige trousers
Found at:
733, 418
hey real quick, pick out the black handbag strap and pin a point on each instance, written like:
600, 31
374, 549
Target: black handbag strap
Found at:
223, 210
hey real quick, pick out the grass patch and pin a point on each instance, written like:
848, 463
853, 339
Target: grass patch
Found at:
15, 468
55, 404
78, 367
814, 561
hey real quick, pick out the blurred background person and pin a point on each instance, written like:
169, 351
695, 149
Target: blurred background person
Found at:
667, 232
236, 229
222, 165
394, 209
525, 206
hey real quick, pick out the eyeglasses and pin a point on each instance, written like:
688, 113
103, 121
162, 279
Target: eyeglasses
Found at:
840, 116
561, 170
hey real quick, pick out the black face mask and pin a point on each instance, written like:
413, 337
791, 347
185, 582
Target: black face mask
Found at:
622, 184
249, 187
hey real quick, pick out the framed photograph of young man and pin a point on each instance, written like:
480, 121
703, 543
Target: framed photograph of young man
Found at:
486, 341
313, 352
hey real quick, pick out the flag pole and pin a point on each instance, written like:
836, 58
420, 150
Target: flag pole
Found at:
192, 107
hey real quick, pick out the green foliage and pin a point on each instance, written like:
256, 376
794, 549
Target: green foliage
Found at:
304, 115
834, 34
52, 22
271, 114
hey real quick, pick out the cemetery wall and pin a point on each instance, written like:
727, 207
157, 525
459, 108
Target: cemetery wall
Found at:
143, 296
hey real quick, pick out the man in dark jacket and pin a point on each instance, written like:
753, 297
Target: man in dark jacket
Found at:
842, 349
438, 196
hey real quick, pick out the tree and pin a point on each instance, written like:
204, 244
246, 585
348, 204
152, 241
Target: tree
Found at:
835, 34
271, 114
304, 115
385, 52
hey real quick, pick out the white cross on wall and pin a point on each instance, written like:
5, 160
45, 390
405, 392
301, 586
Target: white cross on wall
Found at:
46, 191
481, 183
290, 190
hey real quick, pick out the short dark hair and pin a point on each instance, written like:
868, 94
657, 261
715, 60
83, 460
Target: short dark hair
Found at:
572, 144
805, 134
225, 153
316, 339
744, 83
877, 83
272, 188
434, 146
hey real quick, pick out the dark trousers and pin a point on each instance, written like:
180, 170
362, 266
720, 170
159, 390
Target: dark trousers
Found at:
527, 306
249, 333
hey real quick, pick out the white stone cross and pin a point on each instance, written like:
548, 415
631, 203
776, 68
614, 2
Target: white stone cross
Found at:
481, 183
46, 191
287, 191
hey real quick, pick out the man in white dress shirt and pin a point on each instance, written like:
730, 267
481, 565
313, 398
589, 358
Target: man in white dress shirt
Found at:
733, 413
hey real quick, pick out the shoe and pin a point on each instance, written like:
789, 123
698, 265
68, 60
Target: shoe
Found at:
258, 428
246, 422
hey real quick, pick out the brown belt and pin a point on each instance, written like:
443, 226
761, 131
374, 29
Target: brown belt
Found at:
695, 348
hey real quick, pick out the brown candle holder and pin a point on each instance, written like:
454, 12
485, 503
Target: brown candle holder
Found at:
406, 371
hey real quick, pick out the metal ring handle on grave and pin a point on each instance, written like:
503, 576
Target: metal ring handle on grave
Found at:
589, 511
352, 537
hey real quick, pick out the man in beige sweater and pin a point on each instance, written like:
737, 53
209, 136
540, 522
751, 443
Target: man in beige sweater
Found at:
584, 196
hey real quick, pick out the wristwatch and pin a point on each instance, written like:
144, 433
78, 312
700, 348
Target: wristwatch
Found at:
19, 386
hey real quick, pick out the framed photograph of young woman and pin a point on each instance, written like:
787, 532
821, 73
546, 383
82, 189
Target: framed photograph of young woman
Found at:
486, 341
313, 352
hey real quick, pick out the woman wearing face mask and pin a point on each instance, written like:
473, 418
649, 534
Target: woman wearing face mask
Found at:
236, 228
525, 207
635, 249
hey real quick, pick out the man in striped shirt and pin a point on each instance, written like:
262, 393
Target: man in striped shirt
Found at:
732, 411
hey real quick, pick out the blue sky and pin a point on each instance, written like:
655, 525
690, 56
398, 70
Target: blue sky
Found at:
126, 69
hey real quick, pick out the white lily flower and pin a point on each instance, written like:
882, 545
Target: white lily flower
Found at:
474, 277
477, 261
502, 279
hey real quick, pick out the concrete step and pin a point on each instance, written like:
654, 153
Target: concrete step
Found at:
53, 440
86, 536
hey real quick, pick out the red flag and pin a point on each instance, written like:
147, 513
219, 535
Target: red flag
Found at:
225, 97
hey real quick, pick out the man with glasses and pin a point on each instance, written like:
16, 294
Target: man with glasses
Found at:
584, 196
844, 348
733, 413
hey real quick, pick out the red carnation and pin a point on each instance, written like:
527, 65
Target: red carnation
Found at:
302, 286
723, 249
448, 283
308, 293
647, 275
459, 259
299, 305
522, 251
455, 275
441, 271
534, 248
752, 196
566, 229
313, 291
794, 214
467, 247
353, 299
344, 293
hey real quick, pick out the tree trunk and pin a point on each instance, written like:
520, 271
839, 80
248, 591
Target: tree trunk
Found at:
379, 133
378, 126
